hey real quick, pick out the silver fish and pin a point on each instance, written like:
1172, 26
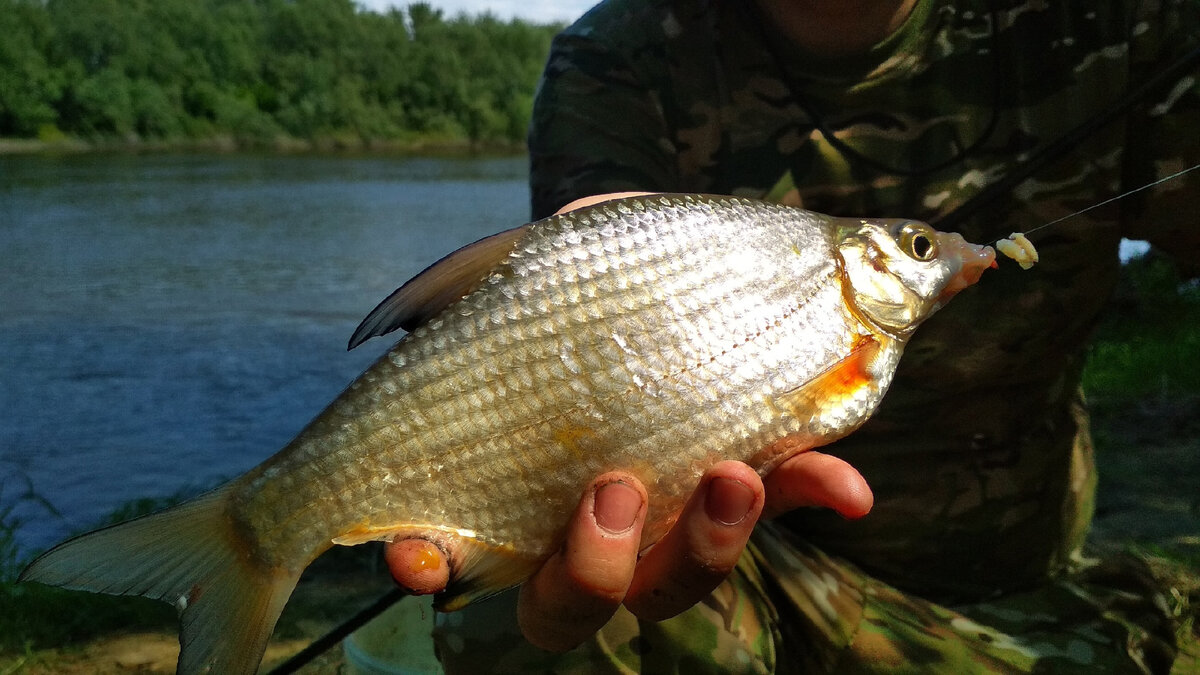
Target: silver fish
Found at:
658, 335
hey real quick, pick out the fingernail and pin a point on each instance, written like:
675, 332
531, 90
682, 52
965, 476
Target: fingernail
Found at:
728, 501
616, 506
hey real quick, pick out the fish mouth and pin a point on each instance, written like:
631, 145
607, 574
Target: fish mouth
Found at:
970, 259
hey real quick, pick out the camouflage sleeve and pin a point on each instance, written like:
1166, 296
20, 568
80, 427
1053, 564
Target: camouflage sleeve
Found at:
597, 126
1163, 139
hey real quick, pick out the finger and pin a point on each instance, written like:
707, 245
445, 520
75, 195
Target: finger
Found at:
596, 199
702, 547
580, 587
817, 479
418, 565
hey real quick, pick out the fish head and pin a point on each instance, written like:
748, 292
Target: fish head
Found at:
897, 273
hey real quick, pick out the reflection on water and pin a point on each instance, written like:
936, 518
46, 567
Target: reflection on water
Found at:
170, 321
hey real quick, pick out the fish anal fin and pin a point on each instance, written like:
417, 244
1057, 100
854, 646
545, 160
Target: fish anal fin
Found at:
838, 386
438, 286
482, 570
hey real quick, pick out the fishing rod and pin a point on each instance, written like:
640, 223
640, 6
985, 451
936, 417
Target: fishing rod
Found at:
964, 212
1066, 143
1110, 200
339, 633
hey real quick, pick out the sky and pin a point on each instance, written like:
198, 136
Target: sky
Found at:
537, 11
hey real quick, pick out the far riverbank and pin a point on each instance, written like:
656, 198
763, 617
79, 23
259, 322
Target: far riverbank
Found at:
415, 147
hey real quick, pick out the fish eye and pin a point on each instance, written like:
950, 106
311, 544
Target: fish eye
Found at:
918, 241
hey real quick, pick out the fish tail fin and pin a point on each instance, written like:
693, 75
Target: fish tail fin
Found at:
190, 556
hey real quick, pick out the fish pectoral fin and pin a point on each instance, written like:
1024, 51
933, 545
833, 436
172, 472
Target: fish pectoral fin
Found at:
840, 382
438, 286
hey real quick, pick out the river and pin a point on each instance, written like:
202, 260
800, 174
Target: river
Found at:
167, 322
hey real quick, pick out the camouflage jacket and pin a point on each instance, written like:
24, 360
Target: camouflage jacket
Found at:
979, 456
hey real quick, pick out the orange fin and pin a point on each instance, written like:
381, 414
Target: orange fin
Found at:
842, 381
367, 533
438, 286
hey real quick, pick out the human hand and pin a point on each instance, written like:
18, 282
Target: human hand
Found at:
597, 568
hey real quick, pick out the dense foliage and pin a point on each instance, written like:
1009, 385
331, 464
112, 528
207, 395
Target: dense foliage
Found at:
257, 71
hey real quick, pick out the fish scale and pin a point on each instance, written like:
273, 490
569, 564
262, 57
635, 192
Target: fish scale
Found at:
655, 335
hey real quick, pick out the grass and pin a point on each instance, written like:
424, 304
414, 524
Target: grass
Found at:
33, 616
1148, 346
1142, 381
37, 617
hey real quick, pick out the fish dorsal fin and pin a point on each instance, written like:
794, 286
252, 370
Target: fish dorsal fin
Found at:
438, 286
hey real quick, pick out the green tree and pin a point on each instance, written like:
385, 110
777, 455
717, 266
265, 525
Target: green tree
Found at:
29, 86
255, 70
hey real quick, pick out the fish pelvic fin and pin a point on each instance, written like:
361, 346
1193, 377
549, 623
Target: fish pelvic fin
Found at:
190, 556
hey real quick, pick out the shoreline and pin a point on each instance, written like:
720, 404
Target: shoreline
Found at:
424, 147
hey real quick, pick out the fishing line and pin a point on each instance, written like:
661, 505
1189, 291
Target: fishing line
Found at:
1110, 200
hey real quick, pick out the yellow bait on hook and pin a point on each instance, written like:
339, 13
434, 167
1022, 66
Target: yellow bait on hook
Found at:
1018, 248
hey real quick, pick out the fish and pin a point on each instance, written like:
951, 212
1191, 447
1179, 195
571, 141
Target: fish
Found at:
657, 335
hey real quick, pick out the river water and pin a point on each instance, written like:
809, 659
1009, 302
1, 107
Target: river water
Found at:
167, 322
